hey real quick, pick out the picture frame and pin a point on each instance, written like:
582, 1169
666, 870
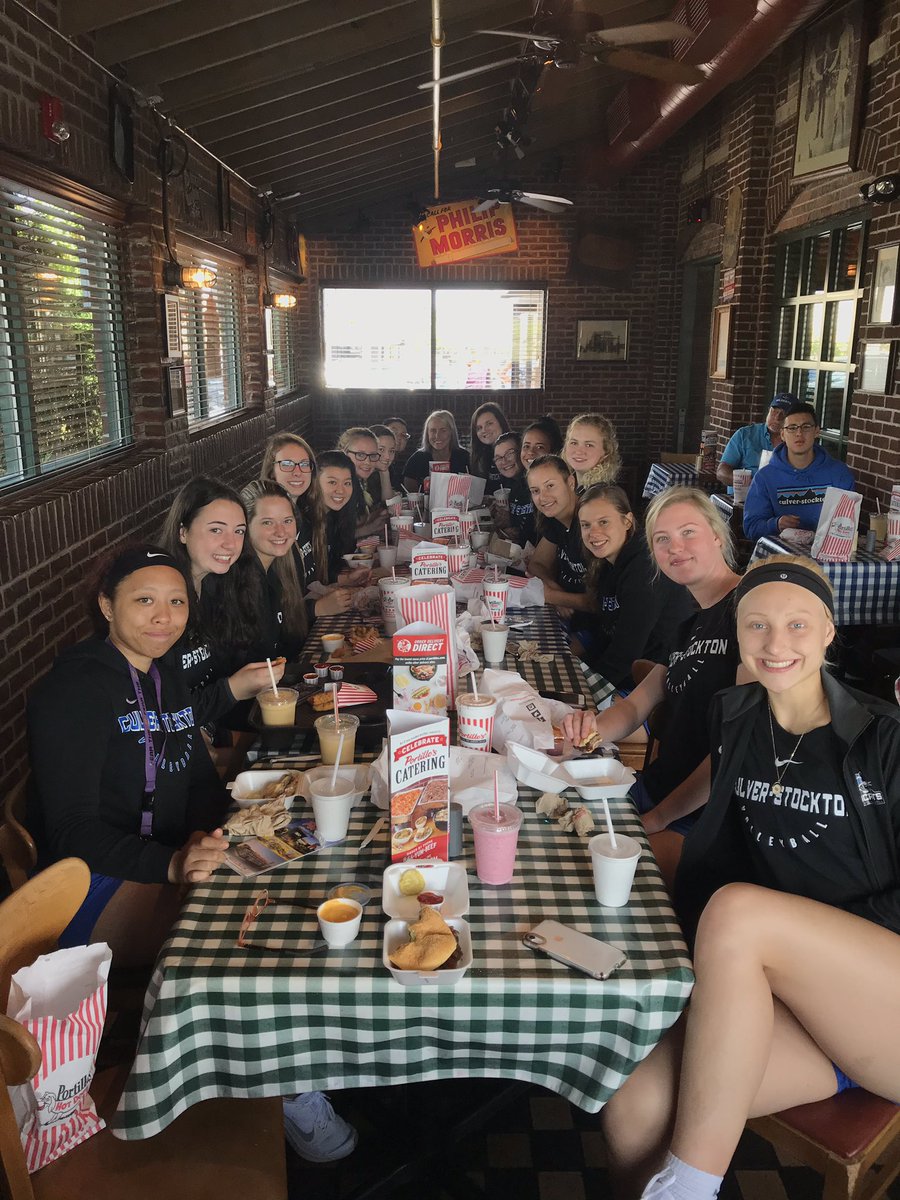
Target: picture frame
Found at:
602, 341
121, 133
176, 391
831, 77
883, 301
172, 325
875, 365
720, 342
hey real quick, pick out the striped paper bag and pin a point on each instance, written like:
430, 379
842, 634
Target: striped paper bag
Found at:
836, 531
352, 694
436, 605
61, 1000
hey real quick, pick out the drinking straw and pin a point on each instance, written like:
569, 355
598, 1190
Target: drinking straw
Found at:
878, 502
387, 540
334, 694
497, 797
393, 572
609, 825
474, 686
272, 676
337, 761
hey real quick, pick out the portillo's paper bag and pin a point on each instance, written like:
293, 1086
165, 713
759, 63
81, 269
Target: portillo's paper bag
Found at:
448, 490
437, 606
419, 783
420, 669
445, 523
429, 563
836, 530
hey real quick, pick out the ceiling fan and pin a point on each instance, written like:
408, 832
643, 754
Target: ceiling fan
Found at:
561, 42
509, 195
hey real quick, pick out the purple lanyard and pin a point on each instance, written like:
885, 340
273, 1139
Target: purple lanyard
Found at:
151, 760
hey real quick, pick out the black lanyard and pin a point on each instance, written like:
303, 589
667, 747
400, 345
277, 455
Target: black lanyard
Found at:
151, 759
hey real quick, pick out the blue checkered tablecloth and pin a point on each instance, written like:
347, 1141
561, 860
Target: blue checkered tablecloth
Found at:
666, 475
224, 1021
866, 589
725, 505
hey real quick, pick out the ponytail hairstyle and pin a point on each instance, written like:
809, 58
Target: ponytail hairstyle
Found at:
226, 613
481, 456
608, 470
617, 497
309, 506
339, 526
292, 606
115, 566
563, 469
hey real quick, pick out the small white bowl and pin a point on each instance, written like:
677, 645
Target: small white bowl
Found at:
445, 879
395, 933
250, 782
536, 770
599, 778
359, 560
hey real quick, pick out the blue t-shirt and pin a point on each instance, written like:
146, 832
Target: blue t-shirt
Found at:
746, 445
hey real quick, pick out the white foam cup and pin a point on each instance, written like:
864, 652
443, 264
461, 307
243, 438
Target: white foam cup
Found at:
331, 807
613, 869
494, 639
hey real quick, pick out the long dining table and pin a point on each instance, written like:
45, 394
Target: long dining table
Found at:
281, 1018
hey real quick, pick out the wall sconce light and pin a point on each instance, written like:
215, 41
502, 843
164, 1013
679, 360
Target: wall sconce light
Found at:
195, 278
881, 190
174, 274
279, 300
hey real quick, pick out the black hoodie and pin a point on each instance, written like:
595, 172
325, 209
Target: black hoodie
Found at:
868, 734
86, 746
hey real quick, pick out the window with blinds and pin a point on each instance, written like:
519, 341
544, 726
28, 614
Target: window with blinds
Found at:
479, 338
282, 327
63, 388
211, 340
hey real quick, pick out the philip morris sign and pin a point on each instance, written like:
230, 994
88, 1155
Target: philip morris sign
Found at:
455, 233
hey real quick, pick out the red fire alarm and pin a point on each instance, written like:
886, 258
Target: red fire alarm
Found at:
53, 127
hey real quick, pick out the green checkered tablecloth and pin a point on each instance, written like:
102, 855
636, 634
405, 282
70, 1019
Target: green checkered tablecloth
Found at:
224, 1021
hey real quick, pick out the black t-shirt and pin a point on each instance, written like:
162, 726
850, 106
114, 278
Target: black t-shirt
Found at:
521, 508
639, 612
493, 480
340, 536
418, 466
570, 566
705, 662
304, 555
802, 840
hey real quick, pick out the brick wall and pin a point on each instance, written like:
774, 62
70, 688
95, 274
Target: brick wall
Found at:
52, 531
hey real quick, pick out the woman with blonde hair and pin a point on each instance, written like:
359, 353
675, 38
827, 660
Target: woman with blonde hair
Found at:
440, 444
692, 546
591, 449
288, 460
791, 879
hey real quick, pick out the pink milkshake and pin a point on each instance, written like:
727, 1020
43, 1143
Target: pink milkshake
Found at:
495, 842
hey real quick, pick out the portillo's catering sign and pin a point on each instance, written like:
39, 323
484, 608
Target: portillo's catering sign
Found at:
455, 233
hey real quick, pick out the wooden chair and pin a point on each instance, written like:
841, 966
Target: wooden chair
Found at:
640, 669
18, 852
216, 1148
844, 1138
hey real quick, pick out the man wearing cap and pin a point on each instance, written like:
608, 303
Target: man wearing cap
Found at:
747, 443
788, 493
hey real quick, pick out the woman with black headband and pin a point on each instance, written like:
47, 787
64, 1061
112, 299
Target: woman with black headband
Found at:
790, 886
120, 775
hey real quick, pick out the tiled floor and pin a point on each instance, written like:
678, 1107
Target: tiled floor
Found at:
535, 1147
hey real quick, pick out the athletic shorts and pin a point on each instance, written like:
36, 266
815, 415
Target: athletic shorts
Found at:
643, 803
78, 932
844, 1082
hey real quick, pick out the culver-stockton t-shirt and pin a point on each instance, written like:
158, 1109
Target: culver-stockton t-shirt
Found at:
521, 508
570, 566
705, 662
802, 840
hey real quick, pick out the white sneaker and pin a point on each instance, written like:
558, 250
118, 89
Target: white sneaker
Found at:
315, 1131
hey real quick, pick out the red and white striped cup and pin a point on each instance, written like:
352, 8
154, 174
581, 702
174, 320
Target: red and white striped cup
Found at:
387, 588
458, 558
404, 521
475, 721
467, 524
496, 593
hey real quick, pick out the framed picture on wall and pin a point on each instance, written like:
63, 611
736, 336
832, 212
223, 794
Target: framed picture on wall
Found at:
874, 367
720, 342
830, 93
176, 392
883, 304
602, 341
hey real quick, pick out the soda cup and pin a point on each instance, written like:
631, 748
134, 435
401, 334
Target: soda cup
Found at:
496, 594
495, 842
475, 721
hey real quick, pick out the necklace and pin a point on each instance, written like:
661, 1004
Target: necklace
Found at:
784, 763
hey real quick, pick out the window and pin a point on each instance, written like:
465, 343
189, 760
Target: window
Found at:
818, 291
211, 340
282, 327
63, 390
440, 338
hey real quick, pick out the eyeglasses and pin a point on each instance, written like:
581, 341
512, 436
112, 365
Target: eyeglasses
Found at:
361, 456
254, 909
288, 464
799, 428
506, 459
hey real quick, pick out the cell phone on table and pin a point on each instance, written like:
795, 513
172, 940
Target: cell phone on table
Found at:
575, 949
573, 698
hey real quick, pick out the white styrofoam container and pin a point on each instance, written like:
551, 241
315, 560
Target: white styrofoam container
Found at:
249, 782
446, 879
599, 778
536, 770
395, 933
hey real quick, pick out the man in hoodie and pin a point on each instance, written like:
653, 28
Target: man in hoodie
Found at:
788, 492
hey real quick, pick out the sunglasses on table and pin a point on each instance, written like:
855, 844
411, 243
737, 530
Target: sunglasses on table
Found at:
290, 464
254, 909
361, 456
799, 428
